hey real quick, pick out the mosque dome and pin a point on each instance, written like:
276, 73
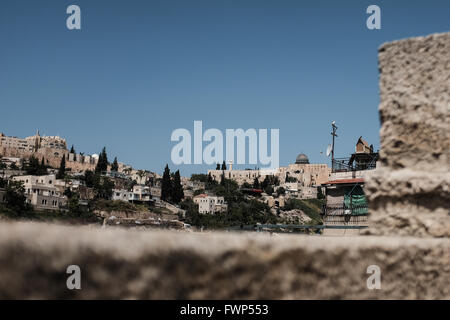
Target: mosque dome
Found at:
302, 159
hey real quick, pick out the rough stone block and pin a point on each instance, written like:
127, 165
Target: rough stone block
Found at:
410, 193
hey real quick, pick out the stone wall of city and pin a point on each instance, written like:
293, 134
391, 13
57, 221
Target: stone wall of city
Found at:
306, 174
52, 156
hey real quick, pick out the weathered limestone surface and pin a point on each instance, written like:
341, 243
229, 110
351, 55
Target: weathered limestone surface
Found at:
410, 193
178, 265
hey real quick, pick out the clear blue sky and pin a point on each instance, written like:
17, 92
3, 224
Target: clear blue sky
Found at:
140, 69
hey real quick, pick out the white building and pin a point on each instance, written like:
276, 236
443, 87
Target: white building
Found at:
156, 193
210, 204
139, 193
122, 195
42, 193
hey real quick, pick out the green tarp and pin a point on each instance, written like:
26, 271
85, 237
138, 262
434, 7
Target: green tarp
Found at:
356, 201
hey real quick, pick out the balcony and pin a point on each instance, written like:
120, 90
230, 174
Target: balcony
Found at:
357, 162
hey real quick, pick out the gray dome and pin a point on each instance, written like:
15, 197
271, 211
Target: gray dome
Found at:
302, 159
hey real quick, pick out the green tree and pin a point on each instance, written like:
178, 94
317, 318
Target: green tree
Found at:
33, 167
72, 149
224, 166
256, 184
89, 178
320, 194
268, 190
247, 185
218, 166
281, 191
198, 191
166, 184
210, 182
43, 167
177, 189
2, 165
115, 165
222, 179
102, 163
74, 205
15, 199
291, 179
103, 187
62, 168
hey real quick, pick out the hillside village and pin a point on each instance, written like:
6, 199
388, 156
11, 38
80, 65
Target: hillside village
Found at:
40, 178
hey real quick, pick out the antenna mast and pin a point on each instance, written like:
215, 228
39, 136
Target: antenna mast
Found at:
333, 125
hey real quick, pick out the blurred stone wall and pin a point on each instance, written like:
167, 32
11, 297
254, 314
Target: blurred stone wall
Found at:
123, 264
410, 193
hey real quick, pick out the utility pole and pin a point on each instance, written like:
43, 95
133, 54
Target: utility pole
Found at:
333, 125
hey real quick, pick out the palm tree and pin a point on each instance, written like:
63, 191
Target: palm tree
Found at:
140, 173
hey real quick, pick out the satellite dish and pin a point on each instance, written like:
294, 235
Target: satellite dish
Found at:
328, 150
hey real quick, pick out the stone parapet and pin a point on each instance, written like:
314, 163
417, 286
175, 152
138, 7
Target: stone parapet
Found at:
409, 194
124, 264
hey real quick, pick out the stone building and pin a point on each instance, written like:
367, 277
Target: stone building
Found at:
42, 193
122, 195
139, 194
301, 172
210, 204
49, 148
346, 203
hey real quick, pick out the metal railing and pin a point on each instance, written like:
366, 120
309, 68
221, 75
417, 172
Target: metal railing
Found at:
352, 164
343, 165
291, 227
343, 210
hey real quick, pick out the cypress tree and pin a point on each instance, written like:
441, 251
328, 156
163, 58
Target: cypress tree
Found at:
62, 168
177, 191
42, 167
256, 184
218, 167
102, 164
33, 166
72, 150
166, 184
224, 166
115, 165
222, 179
99, 161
